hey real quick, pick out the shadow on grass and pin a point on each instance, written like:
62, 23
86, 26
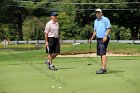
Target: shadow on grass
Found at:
67, 68
126, 59
115, 71
16, 49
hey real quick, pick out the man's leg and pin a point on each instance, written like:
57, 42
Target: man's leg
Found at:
103, 69
54, 55
102, 51
57, 49
104, 61
50, 58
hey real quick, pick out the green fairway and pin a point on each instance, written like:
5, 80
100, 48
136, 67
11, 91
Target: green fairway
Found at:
25, 72
81, 48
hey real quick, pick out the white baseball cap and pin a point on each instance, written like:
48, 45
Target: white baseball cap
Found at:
98, 10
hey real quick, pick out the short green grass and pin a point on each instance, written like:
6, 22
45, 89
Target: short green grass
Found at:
25, 72
82, 48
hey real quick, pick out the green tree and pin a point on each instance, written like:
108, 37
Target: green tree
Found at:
73, 19
15, 12
68, 27
86, 31
4, 32
12, 13
33, 28
120, 33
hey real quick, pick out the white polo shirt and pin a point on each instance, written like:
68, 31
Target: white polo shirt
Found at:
52, 29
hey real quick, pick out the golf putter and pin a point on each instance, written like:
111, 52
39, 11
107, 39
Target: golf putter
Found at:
89, 50
89, 54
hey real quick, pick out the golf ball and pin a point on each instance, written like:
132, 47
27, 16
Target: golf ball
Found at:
60, 87
52, 86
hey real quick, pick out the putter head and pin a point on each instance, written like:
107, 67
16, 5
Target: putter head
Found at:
89, 64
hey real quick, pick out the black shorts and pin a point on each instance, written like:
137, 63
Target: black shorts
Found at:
54, 46
102, 47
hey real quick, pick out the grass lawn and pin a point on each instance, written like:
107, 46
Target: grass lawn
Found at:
25, 72
82, 48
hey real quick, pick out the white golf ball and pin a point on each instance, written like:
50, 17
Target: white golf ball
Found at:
52, 86
60, 87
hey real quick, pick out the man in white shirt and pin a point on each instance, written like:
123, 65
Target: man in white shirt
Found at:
52, 40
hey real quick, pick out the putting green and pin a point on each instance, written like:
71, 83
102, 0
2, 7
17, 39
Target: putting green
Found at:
25, 72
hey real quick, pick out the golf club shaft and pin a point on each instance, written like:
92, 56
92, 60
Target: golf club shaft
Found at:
89, 50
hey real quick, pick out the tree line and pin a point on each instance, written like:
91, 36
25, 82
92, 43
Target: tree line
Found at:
26, 19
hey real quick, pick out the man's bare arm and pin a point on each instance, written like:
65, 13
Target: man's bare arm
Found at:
46, 39
107, 33
93, 35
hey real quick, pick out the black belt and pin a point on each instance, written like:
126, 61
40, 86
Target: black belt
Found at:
99, 38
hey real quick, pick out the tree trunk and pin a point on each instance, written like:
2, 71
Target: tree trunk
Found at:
134, 32
137, 32
20, 34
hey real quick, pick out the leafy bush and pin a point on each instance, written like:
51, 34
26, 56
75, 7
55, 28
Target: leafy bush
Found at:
120, 33
86, 32
33, 28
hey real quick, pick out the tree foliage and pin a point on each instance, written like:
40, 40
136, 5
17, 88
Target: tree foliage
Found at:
20, 20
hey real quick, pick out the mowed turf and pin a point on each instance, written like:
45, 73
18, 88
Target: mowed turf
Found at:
25, 72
